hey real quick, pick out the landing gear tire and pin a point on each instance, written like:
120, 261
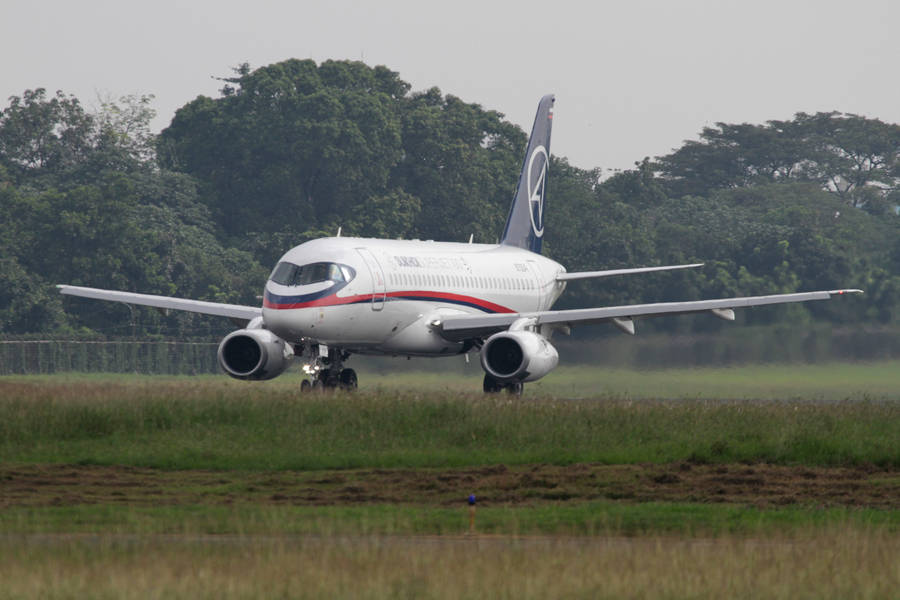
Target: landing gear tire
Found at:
328, 379
317, 385
491, 385
349, 381
514, 389
305, 386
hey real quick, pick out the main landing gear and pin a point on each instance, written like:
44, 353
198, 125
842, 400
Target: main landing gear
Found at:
326, 371
492, 386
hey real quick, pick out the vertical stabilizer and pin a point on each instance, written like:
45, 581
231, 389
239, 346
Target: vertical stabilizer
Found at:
525, 224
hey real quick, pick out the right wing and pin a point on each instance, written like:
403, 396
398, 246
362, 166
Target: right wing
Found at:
232, 311
464, 327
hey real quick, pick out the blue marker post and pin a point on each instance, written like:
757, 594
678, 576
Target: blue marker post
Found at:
471, 513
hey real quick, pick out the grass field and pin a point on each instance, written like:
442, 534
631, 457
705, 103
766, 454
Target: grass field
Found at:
829, 381
759, 481
839, 564
217, 424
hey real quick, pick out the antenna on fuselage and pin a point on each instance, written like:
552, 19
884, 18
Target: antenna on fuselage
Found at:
471, 237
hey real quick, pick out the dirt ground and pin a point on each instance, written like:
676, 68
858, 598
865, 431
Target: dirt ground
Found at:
760, 485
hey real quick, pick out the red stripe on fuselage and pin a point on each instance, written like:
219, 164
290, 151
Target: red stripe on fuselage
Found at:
424, 295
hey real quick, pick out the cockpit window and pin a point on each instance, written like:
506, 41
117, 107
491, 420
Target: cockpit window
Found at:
290, 274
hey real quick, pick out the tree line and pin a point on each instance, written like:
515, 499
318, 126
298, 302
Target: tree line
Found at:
291, 151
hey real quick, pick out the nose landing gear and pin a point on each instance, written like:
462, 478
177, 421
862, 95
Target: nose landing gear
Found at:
325, 371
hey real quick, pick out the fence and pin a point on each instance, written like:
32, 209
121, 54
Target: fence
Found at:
152, 357
728, 347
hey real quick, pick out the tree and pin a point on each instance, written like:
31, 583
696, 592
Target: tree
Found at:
462, 162
857, 159
291, 145
43, 136
123, 139
104, 215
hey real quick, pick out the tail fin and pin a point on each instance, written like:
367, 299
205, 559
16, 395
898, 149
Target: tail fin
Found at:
525, 224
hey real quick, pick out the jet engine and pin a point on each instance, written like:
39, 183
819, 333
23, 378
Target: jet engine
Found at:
255, 354
518, 356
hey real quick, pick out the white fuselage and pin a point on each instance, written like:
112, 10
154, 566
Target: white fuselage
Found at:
394, 292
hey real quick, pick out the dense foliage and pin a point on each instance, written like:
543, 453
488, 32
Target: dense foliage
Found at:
292, 151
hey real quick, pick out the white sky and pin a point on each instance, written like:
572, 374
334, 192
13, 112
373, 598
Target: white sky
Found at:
632, 79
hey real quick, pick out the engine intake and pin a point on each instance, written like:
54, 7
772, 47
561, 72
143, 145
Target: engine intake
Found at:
254, 354
518, 356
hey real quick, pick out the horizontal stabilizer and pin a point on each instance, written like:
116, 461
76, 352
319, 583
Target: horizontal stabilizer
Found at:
233, 311
596, 274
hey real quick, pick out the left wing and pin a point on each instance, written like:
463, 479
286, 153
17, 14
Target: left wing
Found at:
470, 326
233, 311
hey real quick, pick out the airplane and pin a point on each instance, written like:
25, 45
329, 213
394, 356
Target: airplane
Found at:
330, 298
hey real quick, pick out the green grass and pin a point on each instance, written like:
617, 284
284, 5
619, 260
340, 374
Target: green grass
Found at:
207, 423
584, 518
201, 547
828, 382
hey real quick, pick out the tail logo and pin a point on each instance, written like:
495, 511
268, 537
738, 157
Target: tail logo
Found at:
536, 190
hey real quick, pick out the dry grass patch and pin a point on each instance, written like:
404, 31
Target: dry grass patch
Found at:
830, 564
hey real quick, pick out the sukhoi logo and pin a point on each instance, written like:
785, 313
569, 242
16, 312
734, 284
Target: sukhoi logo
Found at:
536, 189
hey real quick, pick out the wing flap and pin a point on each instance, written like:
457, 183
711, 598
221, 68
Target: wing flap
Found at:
233, 311
468, 326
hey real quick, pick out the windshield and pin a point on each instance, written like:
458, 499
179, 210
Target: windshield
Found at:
290, 274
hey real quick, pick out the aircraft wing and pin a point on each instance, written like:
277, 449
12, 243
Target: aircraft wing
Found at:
595, 274
232, 311
470, 326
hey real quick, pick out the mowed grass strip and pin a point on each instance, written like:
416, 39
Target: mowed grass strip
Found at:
595, 518
837, 564
217, 424
828, 381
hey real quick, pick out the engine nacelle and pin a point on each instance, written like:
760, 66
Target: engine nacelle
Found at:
255, 354
518, 356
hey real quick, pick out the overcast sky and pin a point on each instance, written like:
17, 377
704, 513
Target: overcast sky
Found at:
632, 79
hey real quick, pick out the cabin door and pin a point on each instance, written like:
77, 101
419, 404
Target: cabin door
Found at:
378, 284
